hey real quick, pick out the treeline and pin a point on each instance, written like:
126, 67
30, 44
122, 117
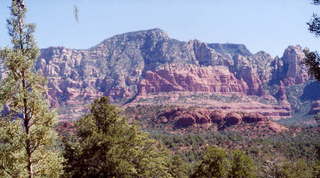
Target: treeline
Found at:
283, 155
294, 145
105, 145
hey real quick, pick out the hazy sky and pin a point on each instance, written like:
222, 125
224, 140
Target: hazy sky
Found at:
269, 25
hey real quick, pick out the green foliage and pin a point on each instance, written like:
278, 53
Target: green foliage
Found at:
217, 163
107, 146
295, 169
242, 166
314, 24
214, 164
10, 140
178, 167
312, 60
316, 169
290, 169
27, 138
285, 146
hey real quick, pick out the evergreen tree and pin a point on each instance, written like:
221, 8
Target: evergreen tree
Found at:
316, 166
27, 138
178, 167
316, 169
314, 24
107, 146
242, 166
214, 164
312, 59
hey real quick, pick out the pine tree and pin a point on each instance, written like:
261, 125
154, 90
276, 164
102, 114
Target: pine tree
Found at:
107, 146
242, 166
214, 164
28, 145
178, 167
312, 60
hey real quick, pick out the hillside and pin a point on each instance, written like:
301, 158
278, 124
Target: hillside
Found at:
150, 68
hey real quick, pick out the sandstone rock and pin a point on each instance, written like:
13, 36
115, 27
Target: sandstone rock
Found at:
217, 117
244, 70
293, 61
281, 95
253, 118
263, 128
144, 63
217, 79
275, 127
186, 120
232, 49
192, 118
232, 119
262, 62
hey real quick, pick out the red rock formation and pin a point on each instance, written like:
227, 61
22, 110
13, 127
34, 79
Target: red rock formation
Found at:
249, 74
263, 128
212, 79
232, 119
186, 120
148, 64
253, 118
206, 118
230, 103
296, 73
217, 117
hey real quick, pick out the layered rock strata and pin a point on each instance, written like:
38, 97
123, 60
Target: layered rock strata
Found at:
143, 64
181, 118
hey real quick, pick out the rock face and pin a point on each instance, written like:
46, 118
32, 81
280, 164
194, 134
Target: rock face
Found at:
181, 118
315, 108
290, 69
147, 63
190, 78
296, 73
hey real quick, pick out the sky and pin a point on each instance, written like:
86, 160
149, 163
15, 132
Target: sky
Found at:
268, 25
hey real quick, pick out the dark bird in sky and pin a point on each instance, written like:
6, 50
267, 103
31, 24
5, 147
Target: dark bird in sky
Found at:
76, 13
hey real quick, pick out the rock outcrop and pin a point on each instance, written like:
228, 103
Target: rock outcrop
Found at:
191, 78
315, 107
181, 118
150, 64
290, 69
296, 72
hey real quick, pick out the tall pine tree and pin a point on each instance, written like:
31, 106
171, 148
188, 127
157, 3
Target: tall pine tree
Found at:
214, 163
27, 136
107, 146
242, 166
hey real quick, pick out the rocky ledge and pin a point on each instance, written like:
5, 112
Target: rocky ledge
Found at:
181, 118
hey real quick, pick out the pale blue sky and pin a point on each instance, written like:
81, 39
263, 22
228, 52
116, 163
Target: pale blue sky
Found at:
269, 25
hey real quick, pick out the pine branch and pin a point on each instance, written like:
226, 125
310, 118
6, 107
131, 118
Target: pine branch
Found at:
316, 2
